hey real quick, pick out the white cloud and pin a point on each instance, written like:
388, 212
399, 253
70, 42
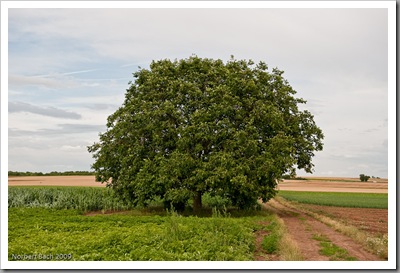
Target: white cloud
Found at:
95, 84
15, 107
71, 148
19, 80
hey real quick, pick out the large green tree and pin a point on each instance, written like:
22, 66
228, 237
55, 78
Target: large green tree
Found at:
192, 126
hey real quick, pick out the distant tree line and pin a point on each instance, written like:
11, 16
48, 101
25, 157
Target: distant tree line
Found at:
291, 177
54, 173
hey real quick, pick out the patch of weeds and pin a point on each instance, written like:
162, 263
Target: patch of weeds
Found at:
308, 226
302, 219
320, 237
260, 226
329, 249
335, 253
272, 226
223, 213
363, 227
305, 223
379, 245
270, 243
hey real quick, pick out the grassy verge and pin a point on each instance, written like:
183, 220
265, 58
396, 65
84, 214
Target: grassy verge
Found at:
288, 249
340, 199
270, 241
280, 242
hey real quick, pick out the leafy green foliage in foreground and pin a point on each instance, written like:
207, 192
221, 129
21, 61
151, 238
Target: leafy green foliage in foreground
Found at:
338, 199
34, 231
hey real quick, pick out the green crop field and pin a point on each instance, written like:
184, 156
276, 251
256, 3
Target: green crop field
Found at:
40, 231
45, 222
339, 199
81, 198
59, 223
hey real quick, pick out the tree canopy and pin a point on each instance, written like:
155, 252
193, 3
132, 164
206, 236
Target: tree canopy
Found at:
200, 125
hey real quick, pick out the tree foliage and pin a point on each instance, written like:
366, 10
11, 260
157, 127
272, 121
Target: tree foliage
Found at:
364, 178
196, 125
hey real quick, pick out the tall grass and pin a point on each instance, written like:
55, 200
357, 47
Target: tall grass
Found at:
279, 241
288, 248
89, 199
81, 198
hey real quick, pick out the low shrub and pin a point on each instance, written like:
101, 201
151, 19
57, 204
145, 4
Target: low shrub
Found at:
364, 178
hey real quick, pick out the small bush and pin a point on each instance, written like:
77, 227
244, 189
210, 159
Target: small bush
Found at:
364, 178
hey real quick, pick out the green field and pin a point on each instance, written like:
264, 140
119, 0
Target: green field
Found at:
338, 199
35, 231
46, 221
84, 198
81, 198
53, 220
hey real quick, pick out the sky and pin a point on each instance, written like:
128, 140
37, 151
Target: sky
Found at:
68, 70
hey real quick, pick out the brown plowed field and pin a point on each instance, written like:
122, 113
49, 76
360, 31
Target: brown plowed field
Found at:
374, 221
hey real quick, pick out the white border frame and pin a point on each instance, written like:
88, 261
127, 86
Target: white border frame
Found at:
390, 264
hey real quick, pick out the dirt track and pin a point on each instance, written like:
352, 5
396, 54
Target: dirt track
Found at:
303, 229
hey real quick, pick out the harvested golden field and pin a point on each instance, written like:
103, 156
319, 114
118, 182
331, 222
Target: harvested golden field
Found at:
325, 185
329, 184
84, 181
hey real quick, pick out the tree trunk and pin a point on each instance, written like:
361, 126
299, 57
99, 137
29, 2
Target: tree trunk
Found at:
197, 205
